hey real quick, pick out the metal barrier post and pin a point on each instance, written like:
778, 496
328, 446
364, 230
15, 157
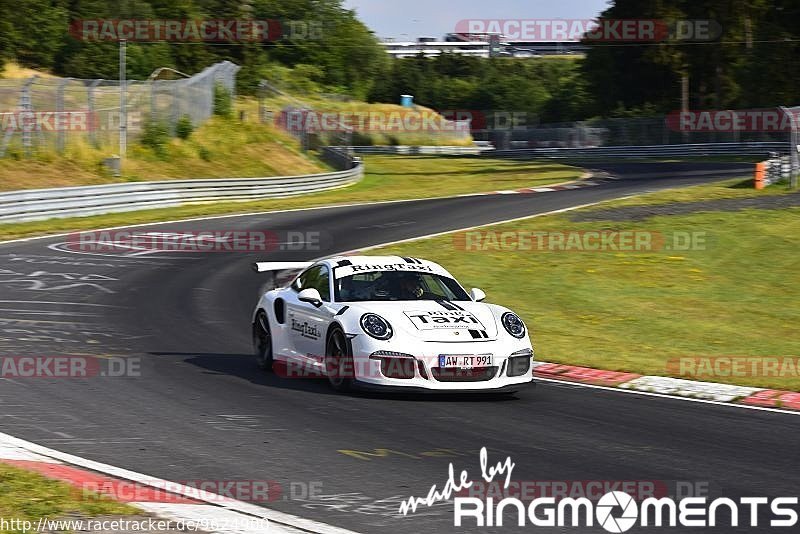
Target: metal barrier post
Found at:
93, 120
59, 114
123, 111
26, 116
794, 143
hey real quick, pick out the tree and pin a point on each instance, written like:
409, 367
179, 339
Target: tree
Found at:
35, 30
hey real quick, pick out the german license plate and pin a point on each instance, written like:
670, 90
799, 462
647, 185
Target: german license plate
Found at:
464, 361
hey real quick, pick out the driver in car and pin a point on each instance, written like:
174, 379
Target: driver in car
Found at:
409, 287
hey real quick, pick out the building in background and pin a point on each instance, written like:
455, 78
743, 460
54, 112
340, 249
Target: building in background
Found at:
480, 45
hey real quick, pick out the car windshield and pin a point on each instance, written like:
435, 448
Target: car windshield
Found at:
397, 285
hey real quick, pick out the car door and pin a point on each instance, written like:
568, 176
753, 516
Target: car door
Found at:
309, 324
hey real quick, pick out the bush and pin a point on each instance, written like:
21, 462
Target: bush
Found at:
362, 139
184, 127
305, 79
223, 103
155, 135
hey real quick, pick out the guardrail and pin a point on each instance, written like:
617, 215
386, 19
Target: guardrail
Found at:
38, 204
647, 151
644, 151
421, 150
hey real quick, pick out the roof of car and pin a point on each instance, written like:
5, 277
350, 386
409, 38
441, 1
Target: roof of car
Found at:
363, 260
388, 263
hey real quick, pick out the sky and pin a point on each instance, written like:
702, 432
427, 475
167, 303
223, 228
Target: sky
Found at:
408, 19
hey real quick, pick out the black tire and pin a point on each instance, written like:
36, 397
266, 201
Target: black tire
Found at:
262, 342
339, 362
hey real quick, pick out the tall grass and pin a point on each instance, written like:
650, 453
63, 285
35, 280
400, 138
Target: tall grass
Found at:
219, 148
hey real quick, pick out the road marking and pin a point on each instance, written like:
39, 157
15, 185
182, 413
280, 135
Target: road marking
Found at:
250, 214
664, 396
61, 303
133, 256
9, 452
45, 312
279, 522
437, 234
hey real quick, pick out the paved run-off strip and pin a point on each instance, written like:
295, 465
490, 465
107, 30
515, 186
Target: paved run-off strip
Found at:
166, 500
664, 385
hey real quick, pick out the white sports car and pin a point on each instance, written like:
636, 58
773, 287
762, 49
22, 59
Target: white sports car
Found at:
388, 322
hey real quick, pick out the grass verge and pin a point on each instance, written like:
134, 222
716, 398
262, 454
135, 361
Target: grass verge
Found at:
28, 496
220, 148
387, 178
736, 295
733, 188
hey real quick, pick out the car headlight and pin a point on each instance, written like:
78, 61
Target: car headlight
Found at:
376, 326
513, 325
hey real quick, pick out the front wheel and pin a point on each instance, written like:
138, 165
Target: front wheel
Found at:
339, 362
262, 342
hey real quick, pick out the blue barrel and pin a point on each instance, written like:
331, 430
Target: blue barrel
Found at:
407, 101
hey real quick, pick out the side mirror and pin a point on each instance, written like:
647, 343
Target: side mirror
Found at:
310, 295
477, 294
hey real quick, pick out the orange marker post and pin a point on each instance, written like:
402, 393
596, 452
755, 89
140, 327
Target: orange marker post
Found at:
760, 174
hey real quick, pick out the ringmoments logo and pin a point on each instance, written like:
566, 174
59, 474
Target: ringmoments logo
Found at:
615, 511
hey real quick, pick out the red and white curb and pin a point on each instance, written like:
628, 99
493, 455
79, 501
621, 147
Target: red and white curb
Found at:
588, 180
713, 392
164, 499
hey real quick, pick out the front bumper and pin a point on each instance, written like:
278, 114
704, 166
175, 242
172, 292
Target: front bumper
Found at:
385, 388
426, 375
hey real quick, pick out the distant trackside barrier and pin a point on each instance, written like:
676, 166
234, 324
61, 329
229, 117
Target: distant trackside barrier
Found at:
38, 204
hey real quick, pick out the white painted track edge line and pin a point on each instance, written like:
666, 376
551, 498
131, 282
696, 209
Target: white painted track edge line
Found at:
178, 489
438, 234
665, 396
246, 214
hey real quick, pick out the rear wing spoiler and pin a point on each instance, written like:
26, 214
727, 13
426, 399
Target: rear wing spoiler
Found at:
267, 266
281, 273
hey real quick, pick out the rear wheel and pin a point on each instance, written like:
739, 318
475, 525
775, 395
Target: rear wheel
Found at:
339, 362
262, 342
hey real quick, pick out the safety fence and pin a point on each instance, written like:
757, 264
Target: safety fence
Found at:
421, 150
39, 204
46, 113
649, 151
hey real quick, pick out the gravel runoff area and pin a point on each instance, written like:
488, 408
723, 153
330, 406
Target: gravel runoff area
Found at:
638, 213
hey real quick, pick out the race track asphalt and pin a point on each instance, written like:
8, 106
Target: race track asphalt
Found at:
202, 411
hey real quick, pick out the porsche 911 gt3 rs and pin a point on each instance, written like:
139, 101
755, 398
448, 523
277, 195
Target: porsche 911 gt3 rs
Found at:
388, 322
